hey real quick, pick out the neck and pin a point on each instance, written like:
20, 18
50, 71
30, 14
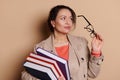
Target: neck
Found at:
60, 37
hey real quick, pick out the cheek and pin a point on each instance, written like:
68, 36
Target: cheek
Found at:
60, 23
73, 27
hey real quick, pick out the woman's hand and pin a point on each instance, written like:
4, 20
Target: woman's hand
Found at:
97, 44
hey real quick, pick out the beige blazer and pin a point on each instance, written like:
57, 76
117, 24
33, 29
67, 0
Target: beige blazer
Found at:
82, 64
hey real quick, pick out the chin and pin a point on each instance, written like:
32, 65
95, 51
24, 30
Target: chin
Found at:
65, 32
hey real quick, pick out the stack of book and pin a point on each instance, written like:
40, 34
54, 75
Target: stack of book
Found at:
46, 66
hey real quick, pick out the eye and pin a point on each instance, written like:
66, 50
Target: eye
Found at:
62, 18
71, 18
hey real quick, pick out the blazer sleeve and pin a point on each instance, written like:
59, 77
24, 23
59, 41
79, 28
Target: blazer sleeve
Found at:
94, 63
27, 76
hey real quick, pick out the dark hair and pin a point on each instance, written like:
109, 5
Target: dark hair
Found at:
53, 14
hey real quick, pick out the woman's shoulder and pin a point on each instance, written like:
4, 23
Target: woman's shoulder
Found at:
40, 44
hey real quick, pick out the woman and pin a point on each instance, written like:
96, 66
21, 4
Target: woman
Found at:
82, 62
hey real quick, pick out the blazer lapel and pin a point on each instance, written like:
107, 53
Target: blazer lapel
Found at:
49, 44
73, 48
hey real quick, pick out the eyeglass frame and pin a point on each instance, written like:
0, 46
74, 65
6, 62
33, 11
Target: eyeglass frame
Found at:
91, 30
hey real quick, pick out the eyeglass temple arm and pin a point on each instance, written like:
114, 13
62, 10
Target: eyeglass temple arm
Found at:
85, 19
88, 24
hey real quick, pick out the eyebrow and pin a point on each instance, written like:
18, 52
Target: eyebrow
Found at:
63, 16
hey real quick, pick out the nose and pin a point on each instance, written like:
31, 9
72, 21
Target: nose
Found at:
68, 21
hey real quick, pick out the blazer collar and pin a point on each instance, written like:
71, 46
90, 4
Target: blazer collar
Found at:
49, 42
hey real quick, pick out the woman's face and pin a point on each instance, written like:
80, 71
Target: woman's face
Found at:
63, 22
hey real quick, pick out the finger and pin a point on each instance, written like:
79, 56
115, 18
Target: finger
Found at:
93, 40
99, 37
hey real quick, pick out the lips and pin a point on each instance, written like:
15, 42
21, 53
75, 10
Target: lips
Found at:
67, 27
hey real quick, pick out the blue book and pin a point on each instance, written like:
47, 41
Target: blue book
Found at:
62, 63
39, 71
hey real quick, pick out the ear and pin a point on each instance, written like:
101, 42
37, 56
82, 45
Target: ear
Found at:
53, 23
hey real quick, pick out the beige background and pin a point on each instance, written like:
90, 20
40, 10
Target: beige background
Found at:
22, 24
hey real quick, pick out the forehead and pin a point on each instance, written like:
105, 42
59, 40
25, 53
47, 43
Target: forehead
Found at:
63, 12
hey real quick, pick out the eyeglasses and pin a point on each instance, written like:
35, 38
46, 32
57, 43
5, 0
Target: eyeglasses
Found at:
89, 27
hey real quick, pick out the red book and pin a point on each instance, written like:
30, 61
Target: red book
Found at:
34, 58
